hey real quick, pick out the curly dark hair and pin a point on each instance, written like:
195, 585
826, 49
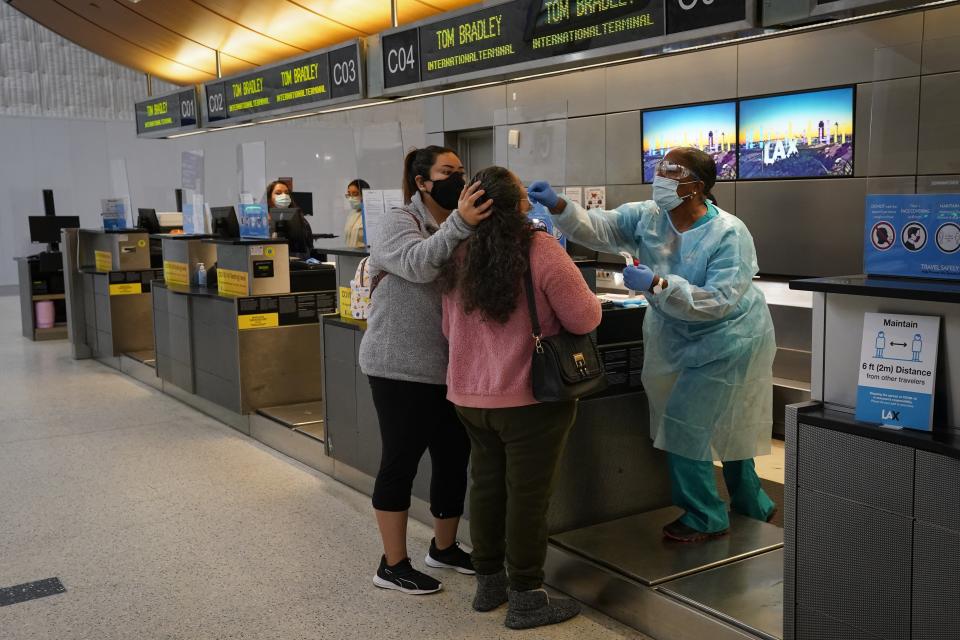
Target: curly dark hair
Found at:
488, 269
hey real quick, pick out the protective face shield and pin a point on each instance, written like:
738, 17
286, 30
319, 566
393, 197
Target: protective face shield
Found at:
282, 200
667, 178
354, 203
446, 192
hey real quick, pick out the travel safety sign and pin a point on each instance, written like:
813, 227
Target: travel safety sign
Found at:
898, 370
914, 235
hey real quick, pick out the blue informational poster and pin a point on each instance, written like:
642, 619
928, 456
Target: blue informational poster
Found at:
254, 221
898, 370
913, 235
540, 218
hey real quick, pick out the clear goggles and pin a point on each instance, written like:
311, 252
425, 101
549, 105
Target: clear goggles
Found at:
674, 171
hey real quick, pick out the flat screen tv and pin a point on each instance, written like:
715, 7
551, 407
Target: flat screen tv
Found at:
797, 135
708, 127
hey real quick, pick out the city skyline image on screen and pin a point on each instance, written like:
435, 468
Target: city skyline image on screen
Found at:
708, 127
797, 135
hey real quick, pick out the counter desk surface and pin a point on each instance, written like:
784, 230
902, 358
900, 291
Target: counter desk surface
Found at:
882, 287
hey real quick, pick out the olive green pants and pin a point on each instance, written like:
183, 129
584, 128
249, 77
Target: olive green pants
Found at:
514, 460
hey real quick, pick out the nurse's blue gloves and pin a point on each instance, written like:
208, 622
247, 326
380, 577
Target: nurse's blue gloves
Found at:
541, 191
638, 278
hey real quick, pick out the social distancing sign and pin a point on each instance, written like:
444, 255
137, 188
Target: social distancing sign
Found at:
898, 370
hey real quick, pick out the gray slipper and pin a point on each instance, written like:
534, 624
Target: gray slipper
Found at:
491, 591
529, 609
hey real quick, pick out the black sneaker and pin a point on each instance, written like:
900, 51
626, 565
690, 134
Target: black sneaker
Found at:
453, 557
403, 577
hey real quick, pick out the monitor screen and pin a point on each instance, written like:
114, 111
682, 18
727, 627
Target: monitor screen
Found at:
797, 135
147, 220
224, 223
304, 200
46, 229
708, 127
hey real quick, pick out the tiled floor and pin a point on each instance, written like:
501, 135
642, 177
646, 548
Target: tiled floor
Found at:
163, 523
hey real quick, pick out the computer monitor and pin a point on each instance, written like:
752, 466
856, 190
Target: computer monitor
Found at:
304, 200
224, 223
147, 220
290, 225
46, 229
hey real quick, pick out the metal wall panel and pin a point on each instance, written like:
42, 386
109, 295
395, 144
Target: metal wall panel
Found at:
902, 184
813, 625
726, 195
886, 128
473, 109
860, 580
805, 227
875, 473
542, 152
941, 40
576, 94
862, 52
586, 151
936, 609
939, 125
938, 184
938, 490
682, 79
618, 194
433, 114
624, 148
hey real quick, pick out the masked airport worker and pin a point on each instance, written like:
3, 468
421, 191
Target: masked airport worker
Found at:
353, 229
708, 336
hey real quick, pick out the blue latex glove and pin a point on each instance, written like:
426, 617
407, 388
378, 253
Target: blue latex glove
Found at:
541, 191
638, 278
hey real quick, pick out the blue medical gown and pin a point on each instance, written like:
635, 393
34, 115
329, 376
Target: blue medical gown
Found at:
708, 337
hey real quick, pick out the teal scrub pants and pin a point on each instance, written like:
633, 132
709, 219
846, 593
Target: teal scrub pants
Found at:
694, 489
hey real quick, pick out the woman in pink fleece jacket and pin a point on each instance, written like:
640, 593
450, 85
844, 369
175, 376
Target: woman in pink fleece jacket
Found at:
516, 441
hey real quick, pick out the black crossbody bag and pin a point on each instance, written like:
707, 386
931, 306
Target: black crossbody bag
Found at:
565, 366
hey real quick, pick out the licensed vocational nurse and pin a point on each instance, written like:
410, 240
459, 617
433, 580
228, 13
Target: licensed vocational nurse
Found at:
708, 336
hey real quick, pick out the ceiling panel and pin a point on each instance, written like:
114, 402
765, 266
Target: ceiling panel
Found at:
177, 40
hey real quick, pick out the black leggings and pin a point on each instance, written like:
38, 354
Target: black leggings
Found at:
415, 417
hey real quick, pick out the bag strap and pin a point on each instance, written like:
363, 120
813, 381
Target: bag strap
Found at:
532, 305
375, 280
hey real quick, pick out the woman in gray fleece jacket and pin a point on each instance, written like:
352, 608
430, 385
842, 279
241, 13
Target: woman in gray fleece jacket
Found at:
404, 354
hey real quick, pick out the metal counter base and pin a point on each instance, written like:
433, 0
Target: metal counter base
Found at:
730, 587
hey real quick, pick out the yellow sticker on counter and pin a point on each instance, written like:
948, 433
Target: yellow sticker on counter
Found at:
269, 252
232, 283
141, 243
258, 321
176, 273
126, 289
345, 296
103, 260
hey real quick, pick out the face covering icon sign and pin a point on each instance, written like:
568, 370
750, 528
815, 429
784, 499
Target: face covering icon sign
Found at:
883, 235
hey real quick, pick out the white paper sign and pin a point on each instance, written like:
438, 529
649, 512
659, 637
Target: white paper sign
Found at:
596, 198
898, 370
574, 194
373, 211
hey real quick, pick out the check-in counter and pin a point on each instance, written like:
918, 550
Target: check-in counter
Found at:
109, 292
609, 469
246, 344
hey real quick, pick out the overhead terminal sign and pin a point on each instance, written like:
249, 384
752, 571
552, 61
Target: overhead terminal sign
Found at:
525, 30
292, 85
159, 117
513, 32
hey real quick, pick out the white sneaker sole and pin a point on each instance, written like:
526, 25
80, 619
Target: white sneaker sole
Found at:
436, 564
386, 584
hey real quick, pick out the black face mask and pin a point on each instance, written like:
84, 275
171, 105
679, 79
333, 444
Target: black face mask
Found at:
446, 192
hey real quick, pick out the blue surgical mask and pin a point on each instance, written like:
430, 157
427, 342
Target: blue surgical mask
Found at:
665, 193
